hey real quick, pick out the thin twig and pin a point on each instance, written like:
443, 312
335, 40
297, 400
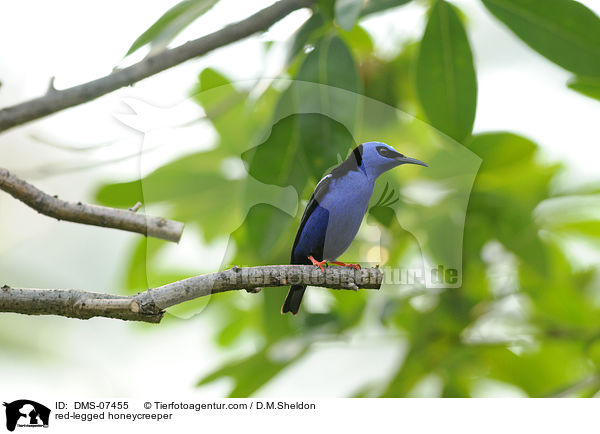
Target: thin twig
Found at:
149, 306
51, 87
59, 100
95, 215
136, 207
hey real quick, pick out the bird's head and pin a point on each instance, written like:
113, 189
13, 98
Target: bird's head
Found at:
378, 157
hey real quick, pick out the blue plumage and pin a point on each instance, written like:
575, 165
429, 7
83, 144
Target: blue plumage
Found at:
336, 208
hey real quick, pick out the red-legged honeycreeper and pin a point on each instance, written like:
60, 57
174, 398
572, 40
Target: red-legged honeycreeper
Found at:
336, 209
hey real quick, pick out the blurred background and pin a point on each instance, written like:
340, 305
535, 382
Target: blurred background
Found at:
509, 84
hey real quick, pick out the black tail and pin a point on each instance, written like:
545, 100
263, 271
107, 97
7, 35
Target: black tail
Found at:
293, 299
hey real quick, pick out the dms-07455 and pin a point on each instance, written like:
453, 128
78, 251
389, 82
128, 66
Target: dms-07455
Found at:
101, 405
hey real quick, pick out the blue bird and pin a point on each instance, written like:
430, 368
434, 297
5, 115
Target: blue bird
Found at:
336, 209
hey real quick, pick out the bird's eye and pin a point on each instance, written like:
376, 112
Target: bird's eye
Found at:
384, 151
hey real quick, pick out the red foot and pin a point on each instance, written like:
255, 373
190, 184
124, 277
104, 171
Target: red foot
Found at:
317, 263
343, 264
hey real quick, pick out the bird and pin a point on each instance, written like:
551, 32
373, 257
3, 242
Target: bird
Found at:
336, 209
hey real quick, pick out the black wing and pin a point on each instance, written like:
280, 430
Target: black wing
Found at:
320, 190
353, 162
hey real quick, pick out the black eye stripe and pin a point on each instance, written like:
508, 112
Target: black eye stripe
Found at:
384, 151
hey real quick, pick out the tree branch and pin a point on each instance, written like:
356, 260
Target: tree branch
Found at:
57, 100
52, 206
149, 306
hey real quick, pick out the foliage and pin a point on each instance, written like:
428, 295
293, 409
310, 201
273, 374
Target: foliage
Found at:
525, 315
170, 24
446, 82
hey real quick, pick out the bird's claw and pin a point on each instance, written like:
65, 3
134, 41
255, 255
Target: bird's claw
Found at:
318, 264
343, 264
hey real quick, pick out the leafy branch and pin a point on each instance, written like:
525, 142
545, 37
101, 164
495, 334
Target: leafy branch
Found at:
57, 100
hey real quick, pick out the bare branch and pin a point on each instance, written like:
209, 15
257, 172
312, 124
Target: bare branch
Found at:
52, 206
57, 100
149, 306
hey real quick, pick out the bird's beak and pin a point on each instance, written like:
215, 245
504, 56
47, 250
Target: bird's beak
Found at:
408, 160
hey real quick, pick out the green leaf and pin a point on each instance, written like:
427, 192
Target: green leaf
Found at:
137, 278
360, 41
226, 105
305, 145
391, 82
571, 214
588, 86
509, 186
276, 160
446, 81
304, 34
264, 236
331, 63
230, 332
589, 229
171, 23
299, 148
554, 366
346, 12
501, 149
207, 80
374, 6
564, 31
250, 373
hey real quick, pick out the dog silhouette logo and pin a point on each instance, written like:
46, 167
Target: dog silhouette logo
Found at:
26, 413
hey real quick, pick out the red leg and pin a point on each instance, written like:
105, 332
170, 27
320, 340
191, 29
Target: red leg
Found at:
317, 263
343, 264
